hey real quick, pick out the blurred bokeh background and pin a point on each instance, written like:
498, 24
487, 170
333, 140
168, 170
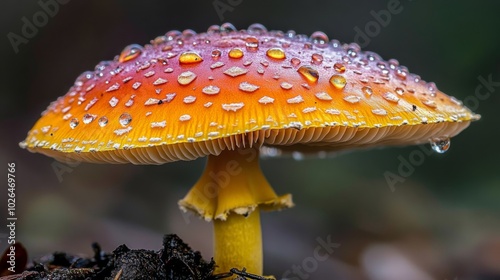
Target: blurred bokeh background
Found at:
441, 222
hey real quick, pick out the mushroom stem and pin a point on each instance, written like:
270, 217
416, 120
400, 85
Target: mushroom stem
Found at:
238, 243
232, 191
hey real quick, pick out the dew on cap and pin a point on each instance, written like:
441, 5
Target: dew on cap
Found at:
309, 73
248, 87
295, 61
399, 91
88, 118
216, 53
339, 67
252, 43
125, 119
429, 103
319, 38
91, 103
73, 123
276, 53
113, 101
186, 77
130, 52
367, 90
211, 90
235, 53
440, 144
257, 28
227, 27
316, 58
149, 74
338, 81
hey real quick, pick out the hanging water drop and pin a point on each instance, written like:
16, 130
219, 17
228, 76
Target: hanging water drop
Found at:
440, 144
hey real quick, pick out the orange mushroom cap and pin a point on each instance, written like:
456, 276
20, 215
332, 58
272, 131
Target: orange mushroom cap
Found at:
188, 95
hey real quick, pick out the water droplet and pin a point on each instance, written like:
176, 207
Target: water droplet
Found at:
309, 73
440, 144
227, 27
130, 52
190, 57
399, 91
252, 43
173, 34
248, 87
316, 58
211, 90
338, 81
216, 53
401, 73
217, 65
73, 123
186, 77
367, 90
257, 28
429, 103
319, 38
276, 53
213, 29
125, 119
295, 61
285, 85
235, 71
235, 53
88, 118
113, 101
339, 67
136, 85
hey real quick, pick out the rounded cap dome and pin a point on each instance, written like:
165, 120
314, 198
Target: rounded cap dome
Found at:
188, 95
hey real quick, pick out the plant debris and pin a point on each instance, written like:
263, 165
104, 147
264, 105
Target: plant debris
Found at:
176, 260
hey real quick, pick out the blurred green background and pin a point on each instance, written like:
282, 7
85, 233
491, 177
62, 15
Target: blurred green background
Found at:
442, 222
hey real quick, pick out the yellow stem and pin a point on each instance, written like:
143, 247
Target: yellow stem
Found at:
238, 243
231, 192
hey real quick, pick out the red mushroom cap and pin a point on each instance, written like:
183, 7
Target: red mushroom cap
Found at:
188, 95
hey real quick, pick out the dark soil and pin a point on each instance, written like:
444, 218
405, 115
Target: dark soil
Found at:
176, 260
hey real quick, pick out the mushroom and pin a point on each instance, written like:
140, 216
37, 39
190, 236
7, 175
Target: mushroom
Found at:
230, 95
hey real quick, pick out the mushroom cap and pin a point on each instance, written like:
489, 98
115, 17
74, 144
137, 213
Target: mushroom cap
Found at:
187, 95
